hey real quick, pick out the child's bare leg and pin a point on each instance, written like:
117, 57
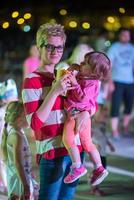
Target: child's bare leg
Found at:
83, 126
85, 135
77, 170
69, 141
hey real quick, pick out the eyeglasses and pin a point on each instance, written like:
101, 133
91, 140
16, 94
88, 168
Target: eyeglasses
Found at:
52, 48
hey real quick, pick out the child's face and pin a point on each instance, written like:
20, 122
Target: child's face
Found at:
22, 120
85, 69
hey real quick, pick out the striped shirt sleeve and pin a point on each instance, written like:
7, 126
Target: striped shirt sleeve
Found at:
32, 97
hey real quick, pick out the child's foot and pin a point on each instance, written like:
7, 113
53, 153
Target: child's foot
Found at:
99, 175
75, 173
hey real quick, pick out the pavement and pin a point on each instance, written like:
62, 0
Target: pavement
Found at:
124, 147
3, 197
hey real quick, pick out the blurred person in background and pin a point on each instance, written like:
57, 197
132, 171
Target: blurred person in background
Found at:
32, 62
102, 42
121, 54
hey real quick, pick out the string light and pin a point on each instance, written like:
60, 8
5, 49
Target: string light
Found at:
15, 14
27, 15
20, 21
26, 28
122, 10
86, 25
5, 25
73, 24
63, 12
110, 19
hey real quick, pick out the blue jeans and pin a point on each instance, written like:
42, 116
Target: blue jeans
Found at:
52, 173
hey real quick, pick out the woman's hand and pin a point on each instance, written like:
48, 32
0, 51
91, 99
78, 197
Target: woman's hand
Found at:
63, 85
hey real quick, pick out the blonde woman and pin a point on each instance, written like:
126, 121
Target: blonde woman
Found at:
44, 106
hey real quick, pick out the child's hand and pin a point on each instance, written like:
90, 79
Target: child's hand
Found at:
14, 197
73, 79
26, 194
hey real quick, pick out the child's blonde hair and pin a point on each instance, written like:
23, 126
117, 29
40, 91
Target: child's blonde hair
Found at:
13, 110
47, 30
99, 63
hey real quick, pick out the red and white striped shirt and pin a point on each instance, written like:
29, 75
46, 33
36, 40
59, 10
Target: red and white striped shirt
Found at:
48, 135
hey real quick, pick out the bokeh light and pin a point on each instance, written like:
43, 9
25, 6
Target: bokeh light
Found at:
122, 10
86, 25
63, 12
27, 15
5, 25
15, 14
73, 24
26, 28
20, 21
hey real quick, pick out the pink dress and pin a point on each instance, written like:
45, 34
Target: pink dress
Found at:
83, 97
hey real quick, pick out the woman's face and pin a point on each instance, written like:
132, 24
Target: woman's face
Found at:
52, 51
21, 120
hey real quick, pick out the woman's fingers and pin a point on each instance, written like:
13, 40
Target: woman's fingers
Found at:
66, 76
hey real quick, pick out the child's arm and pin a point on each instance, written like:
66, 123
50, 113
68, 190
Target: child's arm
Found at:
78, 92
4, 145
84, 92
16, 141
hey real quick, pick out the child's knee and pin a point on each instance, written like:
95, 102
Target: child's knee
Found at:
69, 142
70, 123
88, 146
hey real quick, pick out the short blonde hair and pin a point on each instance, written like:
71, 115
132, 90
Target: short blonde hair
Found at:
47, 30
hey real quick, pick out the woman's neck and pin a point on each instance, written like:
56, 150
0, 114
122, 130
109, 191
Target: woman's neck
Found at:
47, 68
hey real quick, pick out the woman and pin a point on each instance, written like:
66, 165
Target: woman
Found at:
45, 114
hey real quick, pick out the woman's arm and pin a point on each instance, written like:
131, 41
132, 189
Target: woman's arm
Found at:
59, 87
37, 114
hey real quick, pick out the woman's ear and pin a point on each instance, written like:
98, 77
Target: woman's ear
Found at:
39, 49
